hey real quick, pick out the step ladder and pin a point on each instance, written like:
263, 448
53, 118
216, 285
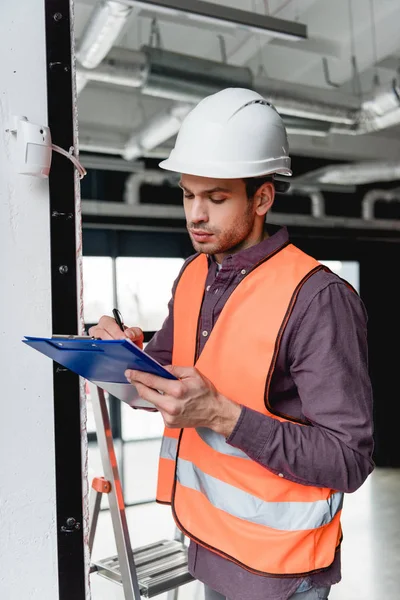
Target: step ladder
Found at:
143, 572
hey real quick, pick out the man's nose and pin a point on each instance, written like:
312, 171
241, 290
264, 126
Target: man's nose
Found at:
198, 213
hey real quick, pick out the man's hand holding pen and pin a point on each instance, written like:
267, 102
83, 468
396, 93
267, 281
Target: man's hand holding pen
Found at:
189, 401
108, 329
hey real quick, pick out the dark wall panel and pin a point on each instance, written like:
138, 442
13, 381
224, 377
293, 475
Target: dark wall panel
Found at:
380, 291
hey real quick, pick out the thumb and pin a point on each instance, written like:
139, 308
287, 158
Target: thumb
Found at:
181, 372
135, 334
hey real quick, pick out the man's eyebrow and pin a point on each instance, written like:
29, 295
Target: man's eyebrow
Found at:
211, 191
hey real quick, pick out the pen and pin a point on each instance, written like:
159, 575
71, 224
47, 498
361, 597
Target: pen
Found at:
118, 318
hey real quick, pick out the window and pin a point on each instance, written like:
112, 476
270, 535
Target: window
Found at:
144, 288
98, 293
347, 269
141, 288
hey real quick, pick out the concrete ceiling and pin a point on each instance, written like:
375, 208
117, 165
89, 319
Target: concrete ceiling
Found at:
109, 114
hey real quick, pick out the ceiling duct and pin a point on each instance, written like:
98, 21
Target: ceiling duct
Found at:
126, 68
188, 78
307, 109
382, 110
185, 78
378, 112
350, 174
103, 28
156, 130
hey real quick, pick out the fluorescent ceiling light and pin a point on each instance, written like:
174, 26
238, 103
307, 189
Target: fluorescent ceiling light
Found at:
225, 15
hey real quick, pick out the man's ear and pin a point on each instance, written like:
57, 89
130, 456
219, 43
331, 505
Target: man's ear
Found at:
264, 198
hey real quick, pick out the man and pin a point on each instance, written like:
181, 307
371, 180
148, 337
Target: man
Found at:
269, 422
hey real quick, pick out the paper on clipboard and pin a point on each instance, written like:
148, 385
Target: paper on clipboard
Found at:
126, 392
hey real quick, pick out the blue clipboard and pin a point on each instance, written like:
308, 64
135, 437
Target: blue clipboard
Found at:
97, 360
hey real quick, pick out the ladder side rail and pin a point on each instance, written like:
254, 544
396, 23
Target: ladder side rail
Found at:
116, 499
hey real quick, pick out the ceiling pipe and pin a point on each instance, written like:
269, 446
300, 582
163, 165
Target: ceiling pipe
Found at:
129, 73
156, 130
187, 79
372, 197
102, 30
351, 174
151, 177
317, 204
307, 109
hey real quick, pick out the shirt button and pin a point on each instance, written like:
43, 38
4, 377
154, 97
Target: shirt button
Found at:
205, 333
207, 288
281, 475
243, 271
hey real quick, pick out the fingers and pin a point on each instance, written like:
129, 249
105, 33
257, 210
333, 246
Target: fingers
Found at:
135, 334
107, 329
99, 334
167, 406
167, 386
182, 372
152, 395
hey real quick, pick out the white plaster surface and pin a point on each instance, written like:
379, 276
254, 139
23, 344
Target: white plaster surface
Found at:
28, 543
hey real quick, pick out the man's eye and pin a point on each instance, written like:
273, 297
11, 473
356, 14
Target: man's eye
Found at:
217, 200
188, 196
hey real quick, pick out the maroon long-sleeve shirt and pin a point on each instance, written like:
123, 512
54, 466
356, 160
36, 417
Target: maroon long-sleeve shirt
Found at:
321, 376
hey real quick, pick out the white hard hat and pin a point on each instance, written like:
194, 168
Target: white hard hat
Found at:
232, 134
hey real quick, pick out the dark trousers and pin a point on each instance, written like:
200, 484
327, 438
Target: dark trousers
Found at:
313, 594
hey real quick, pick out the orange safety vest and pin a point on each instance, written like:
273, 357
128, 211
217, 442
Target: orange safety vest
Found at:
221, 498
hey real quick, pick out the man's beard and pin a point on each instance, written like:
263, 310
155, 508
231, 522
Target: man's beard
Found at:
225, 242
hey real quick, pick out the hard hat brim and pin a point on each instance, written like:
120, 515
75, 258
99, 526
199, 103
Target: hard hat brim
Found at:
280, 166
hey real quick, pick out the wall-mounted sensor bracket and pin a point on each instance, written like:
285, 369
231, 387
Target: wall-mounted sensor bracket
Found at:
34, 147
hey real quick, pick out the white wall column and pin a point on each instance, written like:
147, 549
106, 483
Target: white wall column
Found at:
30, 534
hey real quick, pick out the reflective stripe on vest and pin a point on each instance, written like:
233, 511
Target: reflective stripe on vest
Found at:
286, 516
221, 498
169, 447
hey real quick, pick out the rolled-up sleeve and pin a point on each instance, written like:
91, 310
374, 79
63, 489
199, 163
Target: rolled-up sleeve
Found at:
328, 358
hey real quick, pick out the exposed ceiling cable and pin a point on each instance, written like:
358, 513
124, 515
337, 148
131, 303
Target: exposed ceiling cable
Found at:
261, 69
155, 34
356, 78
376, 80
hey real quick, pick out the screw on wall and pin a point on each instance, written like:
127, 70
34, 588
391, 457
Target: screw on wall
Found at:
57, 17
53, 65
70, 526
64, 215
63, 269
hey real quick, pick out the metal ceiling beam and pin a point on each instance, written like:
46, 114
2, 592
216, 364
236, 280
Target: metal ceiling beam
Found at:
253, 46
226, 15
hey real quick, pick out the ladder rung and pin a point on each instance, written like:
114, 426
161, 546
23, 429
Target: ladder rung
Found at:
160, 567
